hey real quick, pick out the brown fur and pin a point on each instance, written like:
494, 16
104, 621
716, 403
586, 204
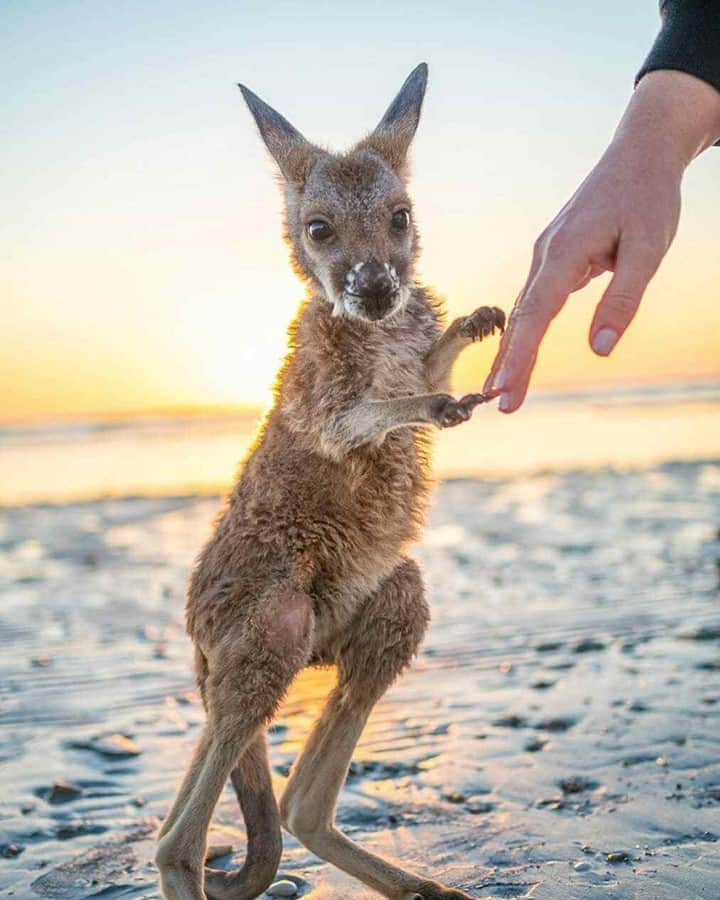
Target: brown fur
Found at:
308, 562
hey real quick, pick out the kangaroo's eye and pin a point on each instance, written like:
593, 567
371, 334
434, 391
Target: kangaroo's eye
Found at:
401, 220
319, 230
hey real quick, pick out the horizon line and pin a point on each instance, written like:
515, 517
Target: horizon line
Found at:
252, 410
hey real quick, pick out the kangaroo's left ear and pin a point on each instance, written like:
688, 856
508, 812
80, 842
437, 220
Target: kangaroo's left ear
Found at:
293, 154
395, 131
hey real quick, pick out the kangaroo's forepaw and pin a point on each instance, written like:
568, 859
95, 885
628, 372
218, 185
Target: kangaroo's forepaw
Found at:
482, 323
447, 412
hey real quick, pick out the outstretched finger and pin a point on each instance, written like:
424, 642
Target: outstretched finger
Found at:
635, 265
543, 297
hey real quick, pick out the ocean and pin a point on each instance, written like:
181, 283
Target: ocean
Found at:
158, 455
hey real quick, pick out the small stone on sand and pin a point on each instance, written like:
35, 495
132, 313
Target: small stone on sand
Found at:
556, 724
701, 633
709, 665
282, 888
478, 807
187, 698
548, 646
511, 720
110, 745
576, 784
617, 856
454, 797
542, 684
41, 662
79, 828
63, 792
589, 645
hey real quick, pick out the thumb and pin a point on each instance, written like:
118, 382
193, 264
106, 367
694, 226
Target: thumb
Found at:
635, 264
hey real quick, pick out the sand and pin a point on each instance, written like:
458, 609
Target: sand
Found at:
559, 736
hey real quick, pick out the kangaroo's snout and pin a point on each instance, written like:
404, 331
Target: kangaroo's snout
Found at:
375, 285
373, 281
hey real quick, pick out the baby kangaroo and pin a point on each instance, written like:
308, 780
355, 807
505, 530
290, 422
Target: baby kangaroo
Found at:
308, 565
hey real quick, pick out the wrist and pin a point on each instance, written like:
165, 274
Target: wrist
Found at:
671, 118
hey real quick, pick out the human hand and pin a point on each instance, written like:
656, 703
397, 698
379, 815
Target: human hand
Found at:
622, 218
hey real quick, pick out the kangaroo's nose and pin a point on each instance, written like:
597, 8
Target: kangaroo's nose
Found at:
373, 281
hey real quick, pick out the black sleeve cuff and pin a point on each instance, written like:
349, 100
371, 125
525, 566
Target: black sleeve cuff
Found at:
689, 40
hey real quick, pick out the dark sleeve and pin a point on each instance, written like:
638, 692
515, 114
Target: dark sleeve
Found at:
689, 40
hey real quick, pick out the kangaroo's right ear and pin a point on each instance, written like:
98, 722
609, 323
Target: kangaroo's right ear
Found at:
395, 131
291, 151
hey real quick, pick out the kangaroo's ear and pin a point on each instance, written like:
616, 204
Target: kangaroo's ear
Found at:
395, 131
291, 151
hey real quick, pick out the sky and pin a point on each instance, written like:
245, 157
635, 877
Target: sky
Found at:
141, 262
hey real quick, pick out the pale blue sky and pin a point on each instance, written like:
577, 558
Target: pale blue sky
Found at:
139, 229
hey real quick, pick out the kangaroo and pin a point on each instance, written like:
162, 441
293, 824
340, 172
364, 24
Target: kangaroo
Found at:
308, 563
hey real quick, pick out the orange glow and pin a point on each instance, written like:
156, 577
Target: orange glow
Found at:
143, 265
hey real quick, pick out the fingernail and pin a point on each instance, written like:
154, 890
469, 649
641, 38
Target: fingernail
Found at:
501, 381
504, 404
604, 341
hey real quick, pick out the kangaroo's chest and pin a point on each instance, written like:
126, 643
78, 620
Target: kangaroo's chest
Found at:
397, 370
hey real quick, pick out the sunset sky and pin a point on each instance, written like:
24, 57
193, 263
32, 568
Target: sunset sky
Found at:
141, 264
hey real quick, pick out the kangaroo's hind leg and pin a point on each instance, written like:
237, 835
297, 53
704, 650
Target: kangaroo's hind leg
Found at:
253, 787
249, 670
198, 757
381, 641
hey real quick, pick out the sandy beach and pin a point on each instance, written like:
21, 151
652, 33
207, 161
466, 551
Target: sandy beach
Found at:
558, 737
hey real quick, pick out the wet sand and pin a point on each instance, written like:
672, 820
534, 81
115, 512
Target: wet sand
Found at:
559, 736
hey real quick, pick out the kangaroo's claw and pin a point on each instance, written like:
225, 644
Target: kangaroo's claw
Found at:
448, 412
483, 322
